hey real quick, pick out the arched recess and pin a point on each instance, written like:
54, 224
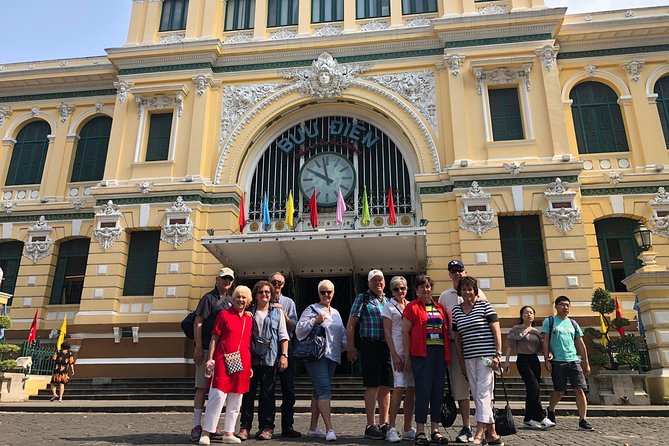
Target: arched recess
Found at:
381, 107
90, 149
613, 81
87, 115
658, 73
25, 119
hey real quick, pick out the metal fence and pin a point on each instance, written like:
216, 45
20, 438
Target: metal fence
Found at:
42, 362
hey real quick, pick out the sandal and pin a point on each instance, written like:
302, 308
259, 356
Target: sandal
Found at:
496, 441
437, 438
421, 439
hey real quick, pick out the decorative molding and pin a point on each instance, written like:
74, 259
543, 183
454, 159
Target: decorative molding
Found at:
547, 56
59, 95
152, 199
473, 218
65, 111
454, 62
561, 210
614, 51
660, 213
418, 21
5, 112
328, 30
514, 168
435, 190
178, 227
159, 102
501, 76
39, 242
8, 207
173, 37
374, 25
493, 9
13, 218
513, 181
122, 88
283, 33
418, 88
633, 69
633, 190
590, 69
238, 37
203, 82
614, 177
497, 40
145, 187
108, 230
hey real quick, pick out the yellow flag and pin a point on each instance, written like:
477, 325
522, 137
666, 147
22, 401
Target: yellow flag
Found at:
602, 327
290, 210
63, 330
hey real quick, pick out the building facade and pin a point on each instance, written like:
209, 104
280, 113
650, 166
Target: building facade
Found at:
524, 141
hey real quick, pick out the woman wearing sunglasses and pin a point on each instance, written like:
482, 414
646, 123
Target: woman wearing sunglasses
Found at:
404, 383
322, 371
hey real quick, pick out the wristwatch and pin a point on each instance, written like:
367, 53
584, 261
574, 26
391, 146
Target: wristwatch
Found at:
498, 354
284, 355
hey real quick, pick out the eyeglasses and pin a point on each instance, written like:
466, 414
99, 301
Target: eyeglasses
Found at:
326, 292
228, 278
399, 288
277, 283
456, 271
264, 292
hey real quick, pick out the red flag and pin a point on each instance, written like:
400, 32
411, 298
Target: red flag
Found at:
313, 210
32, 334
392, 217
242, 215
619, 314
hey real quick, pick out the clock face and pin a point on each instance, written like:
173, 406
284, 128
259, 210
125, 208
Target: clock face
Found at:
326, 173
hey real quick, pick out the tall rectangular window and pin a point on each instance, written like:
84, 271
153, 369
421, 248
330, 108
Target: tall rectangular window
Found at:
419, 6
522, 251
160, 129
68, 282
327, 11
174, 15
140, 273
617, 250
505, 114
239, 14
367, 9
10, 260
282, 12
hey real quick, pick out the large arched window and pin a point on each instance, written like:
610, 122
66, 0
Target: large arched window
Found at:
68, 282
662, 92
239, 14
174, 15
29, 154
91, 153
10, 259
617, 250
597, 119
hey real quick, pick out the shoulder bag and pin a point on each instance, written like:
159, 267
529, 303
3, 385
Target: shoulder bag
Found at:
448, 410
233, 361
504, 424
312, 347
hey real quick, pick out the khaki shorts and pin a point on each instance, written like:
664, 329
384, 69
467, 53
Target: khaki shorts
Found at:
200, 381
459, 385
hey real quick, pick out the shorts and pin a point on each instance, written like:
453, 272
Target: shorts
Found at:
563, 371
200, 381
403, 379
459, 385
375, 363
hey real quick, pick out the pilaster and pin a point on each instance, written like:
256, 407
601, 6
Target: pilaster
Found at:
304, 18
213, 16
349, 16
396, 14
260, 21
152, 22
137, 21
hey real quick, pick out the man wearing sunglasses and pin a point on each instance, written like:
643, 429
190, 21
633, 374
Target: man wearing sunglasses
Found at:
205, 318
377, 372
288, 375
460, 387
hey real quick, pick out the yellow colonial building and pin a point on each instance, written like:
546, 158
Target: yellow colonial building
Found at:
524, 141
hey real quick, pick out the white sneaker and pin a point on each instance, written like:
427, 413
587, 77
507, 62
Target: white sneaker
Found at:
317, 433
204, 440
331, 436
392, 436
230, 439
532, 424
546, 423
409, 435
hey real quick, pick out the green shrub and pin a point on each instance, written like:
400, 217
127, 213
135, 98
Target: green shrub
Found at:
8, 349
7, 364
5, 322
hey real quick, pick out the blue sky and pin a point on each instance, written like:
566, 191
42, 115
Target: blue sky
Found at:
58, 29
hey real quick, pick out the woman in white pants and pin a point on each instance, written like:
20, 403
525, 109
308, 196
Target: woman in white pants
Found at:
232, 333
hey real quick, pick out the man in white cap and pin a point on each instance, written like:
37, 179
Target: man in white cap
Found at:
205, 317
377, 372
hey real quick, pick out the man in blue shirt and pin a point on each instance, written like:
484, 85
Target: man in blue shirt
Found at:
563, 342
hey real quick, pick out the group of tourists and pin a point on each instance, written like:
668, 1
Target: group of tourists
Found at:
243, 340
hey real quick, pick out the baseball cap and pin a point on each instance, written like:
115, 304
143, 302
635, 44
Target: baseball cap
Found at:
373, 273
456, 265
226, 272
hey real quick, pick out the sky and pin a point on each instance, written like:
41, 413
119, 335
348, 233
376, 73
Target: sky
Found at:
50, 29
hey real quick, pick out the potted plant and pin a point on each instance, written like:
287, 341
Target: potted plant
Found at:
618, 381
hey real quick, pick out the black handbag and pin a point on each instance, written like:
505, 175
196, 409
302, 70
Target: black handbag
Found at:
504, 424
448, 410
260, 347
312, 347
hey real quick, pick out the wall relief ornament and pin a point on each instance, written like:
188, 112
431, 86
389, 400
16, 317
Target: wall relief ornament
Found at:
476, 215
493, 9
590, 69
5, 112
614, 177
78, 204
39, 242
633, 69
325, 78
108, 230
174, 37
502, 76
283, 33
238, 37
178, 227
99, 106
159, 102
659, 218
8, 207
65, 110
145, 187
122, 90
514, 168
34, 111
238, 99
418, 21
202, 82
328, 30
374, 25
417, 88
547, 56
561, 210
454, 62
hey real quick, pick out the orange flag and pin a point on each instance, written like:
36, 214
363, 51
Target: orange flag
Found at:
619, 314
392, 217
32, 334
242, 214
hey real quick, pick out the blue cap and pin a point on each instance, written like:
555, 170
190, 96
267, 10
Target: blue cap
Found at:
456, 265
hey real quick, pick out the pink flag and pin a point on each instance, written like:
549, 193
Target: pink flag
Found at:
341, 207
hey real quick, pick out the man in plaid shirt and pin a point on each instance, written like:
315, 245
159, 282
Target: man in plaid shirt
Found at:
377, 372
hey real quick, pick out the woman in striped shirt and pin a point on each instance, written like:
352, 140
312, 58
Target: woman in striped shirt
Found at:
479, 345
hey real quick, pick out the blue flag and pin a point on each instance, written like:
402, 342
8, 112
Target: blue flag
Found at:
642, 330
265, 213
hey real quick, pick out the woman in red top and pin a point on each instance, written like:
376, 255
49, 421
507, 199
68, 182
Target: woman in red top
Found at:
426, 351
231, 333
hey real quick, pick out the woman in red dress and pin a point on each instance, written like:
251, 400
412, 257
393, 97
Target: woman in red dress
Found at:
231, 333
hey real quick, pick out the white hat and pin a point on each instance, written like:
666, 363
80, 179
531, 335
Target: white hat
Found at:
226, 272
373, 273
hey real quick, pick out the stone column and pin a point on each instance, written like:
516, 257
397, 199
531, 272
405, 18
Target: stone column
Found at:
651, 285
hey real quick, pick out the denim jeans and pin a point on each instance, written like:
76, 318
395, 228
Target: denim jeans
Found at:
321, 373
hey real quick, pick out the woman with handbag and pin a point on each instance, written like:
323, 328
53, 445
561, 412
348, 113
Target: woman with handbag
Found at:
230, 361
321, 371
426, 351
269, 347
527, 342
479, 343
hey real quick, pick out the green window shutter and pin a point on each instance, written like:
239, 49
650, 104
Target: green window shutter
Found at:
29, 154
327, 11
522, 251
662, 91
68, 281
91, 153
10, 260
419, 6
507, 122
140, 275
174, 15
239, 14
367, 9
618, 250
160, 129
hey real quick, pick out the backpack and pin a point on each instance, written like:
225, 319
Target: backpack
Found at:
551, 323
187, 325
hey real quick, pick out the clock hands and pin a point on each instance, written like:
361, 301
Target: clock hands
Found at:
327, 179
325, 170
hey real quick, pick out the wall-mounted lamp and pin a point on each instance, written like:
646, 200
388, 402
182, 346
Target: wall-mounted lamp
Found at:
643, 237
423, 222
210, 232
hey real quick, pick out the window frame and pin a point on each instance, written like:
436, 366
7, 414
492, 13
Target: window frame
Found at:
23, 169
661, 89
84, 155
168, 23
505, 117
425, 7
142, 263
336, 9
11, 252
367, 7
609, 230
232, 23
518, 245
158, 146
292, 8
70, 252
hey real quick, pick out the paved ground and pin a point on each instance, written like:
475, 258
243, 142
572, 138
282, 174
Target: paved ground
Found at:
170, 428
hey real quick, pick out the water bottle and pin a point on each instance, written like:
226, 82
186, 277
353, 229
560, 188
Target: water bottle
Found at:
488, 363
209, 369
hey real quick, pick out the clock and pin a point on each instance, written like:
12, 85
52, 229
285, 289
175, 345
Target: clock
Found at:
326, 173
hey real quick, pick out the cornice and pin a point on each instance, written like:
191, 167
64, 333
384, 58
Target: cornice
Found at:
144, 199
17, 218
144, 56
55, 66
58, 95
493, 182
496, 35
623, 190
595, 51
553, 17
